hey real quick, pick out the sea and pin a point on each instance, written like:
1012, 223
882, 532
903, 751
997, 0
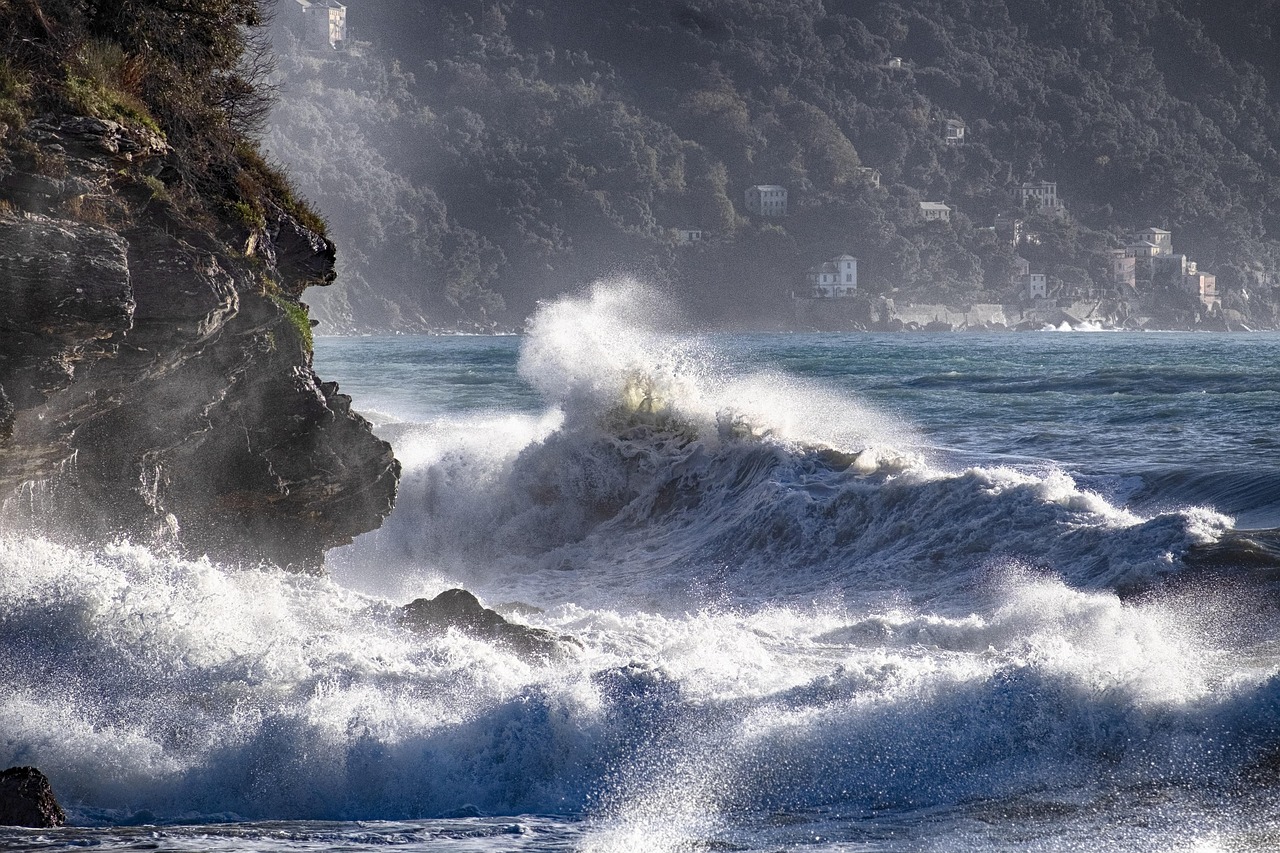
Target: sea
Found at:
818, 592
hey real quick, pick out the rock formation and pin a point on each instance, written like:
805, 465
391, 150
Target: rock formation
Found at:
26, 799
155, 365
459, 609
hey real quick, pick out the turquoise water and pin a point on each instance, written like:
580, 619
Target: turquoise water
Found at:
828, 593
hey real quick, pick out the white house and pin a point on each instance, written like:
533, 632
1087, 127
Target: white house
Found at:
935, 211
323, 23
1036, 285
767, 200
685, 236
953, 131
1039, 197
1158, 237
837, 277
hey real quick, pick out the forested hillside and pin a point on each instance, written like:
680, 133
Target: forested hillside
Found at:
476, 156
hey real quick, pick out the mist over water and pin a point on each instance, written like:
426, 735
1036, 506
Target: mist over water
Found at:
853, 592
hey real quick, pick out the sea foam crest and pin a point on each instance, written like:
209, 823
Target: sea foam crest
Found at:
622, 353
663, 471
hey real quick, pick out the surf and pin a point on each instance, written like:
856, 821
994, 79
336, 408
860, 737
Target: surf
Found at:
660, 470
796, 615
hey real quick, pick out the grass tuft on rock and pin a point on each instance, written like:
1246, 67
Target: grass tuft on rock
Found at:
102, 81
260, 180
298, 317
15, 91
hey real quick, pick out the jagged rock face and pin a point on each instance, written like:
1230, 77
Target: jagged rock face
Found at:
26, 799
147, 369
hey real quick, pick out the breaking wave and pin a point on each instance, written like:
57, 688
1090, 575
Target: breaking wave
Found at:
661, 473
791, 615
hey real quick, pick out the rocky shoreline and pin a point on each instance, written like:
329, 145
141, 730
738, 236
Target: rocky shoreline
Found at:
863, 314
155, 367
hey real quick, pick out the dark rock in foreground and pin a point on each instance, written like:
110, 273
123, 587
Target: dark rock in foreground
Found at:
457, 608
26, 799
155, 366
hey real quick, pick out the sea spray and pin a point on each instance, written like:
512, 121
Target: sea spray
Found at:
663, 476
179, 690
797, 624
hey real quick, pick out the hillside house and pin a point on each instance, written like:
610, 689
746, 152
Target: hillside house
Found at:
935, 211
1143, 250
1039, 197
1204, 287
1158, 237
320, 24
1171, 269
685, 236
953, 131
767, 200
1035, 285
1009, 229
838, 277
895, 63
870, 175
1124, 269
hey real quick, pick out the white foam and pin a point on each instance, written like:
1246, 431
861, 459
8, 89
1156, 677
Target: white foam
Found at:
661, 474
781, 606
188, 690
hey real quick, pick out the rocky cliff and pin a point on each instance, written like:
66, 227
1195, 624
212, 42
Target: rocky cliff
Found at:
155, 365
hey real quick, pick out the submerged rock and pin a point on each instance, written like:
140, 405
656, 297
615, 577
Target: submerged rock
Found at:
459, 609
26, 799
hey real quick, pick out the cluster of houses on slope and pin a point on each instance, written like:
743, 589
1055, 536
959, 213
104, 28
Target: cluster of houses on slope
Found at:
1144, 267
1136, 270
839, 276
771, 200
1150, 262
1040, 197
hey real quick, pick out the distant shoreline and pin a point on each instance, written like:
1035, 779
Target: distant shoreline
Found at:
775, 331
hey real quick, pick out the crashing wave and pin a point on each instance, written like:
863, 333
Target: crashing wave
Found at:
666, 475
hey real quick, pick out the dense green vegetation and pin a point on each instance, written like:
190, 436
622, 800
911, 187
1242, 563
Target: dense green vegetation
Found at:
193, 72
474, 156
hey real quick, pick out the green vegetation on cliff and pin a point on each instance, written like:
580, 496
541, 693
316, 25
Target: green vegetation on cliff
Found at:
193, 72
474, 154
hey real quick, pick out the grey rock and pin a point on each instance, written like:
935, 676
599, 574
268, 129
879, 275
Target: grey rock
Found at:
147, 347
308, 256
